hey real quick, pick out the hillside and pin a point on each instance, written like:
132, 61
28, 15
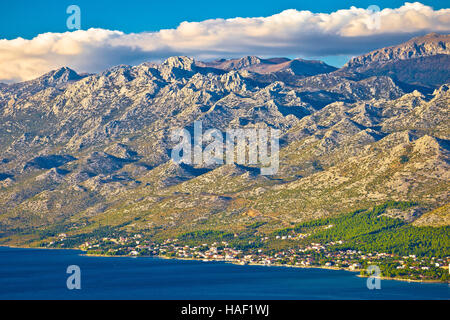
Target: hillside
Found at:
80, 152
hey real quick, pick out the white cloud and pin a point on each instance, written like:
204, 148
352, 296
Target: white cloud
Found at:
289, 33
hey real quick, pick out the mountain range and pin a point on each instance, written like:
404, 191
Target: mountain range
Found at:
83, 150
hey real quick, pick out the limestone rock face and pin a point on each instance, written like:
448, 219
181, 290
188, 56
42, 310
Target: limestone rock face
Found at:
429, 45
423, 60
74, 147
180, 62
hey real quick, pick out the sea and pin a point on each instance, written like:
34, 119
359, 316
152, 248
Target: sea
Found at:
42, 274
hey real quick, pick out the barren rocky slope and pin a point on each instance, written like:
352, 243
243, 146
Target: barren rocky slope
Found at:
79, 151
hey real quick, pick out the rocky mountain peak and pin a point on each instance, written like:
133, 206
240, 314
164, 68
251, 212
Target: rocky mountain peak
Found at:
180, 62
421, 60
428, 45
248, 61
60, 76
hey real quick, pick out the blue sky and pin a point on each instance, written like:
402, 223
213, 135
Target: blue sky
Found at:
25, 18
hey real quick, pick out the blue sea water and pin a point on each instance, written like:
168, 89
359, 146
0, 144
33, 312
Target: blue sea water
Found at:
41, 274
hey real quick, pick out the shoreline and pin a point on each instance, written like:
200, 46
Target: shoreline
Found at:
230, 262
403, 279
271, 265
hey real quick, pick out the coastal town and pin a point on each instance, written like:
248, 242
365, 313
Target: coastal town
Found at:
313, 254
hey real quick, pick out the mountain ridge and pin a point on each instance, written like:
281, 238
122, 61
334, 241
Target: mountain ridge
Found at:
80, 150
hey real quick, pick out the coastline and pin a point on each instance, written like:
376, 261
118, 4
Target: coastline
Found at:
403, 279
271, 265
84, 253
